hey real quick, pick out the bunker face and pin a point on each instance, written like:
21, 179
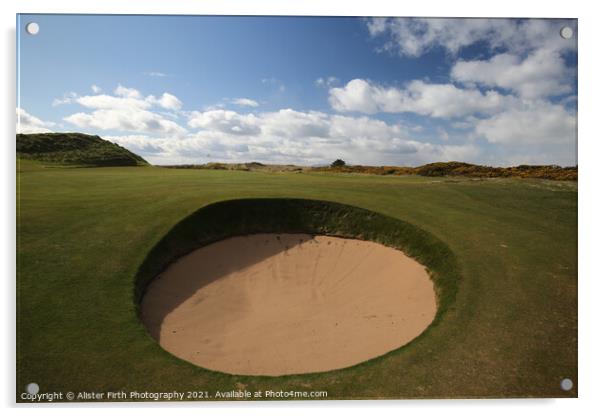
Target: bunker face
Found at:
275, 304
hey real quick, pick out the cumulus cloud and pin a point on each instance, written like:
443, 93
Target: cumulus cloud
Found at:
524, 123
167, 101
311, 137
290, 136
360, 95
527, 55
292, 124
537, 123
127, 110
26, 123
224, 121
96, 89
518, 123
504, 98
111, 102
542, 73
126, 120
245, 102
122, 91
415, 36
435, 100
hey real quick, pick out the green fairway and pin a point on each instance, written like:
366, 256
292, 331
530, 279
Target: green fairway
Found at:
84, 232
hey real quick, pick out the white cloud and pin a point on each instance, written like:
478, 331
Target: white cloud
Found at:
415, 36
122, 91
289, 136
542, 73
467, 123
155, 74
26, 123
289, 123
539, 123
127, 110
525, 59
524, 66
530, 126
167, 101
135, 120
435, 100
245, 102
225, 121
96, 89
326, 82
67, 98
360, 95
508, 123
309, 138
443, 134
111, 102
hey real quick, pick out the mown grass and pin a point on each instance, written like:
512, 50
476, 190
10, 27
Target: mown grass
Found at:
510, 332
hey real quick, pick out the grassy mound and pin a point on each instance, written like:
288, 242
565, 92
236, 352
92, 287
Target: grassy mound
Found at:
75, 149
522, 171
451, 169
552, 172
285, 215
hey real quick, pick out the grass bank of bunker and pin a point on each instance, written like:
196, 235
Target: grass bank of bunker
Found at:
296, 221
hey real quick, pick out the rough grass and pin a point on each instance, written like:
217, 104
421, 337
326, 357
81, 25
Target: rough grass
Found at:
452, 169
75, 149
83, 234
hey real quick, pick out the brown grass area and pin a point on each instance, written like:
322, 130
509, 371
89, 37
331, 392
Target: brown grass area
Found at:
552, 172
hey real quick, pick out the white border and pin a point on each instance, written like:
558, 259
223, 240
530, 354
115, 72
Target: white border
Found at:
589, 183
465, 8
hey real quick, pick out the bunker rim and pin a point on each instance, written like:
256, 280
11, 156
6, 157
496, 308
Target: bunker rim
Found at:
225, 219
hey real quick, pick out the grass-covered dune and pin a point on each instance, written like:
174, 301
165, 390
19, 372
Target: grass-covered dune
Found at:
83, 235
461, 169
75, 149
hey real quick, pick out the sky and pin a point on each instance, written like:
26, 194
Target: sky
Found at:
305, 90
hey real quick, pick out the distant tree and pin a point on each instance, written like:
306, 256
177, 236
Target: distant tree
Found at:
339, 163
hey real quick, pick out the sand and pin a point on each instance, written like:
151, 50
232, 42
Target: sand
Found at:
275, 304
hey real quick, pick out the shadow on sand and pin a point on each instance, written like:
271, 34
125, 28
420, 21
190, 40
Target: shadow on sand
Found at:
189, 274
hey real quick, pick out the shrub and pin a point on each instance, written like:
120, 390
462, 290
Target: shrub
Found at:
339, 163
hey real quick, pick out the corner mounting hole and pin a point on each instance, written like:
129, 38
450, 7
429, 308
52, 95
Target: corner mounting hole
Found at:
32, 28
566, 384
566, 32
32, 388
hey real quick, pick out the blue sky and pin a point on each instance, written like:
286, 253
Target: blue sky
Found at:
192, 89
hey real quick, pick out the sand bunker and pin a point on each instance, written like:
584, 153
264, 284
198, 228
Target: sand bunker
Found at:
274, 304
